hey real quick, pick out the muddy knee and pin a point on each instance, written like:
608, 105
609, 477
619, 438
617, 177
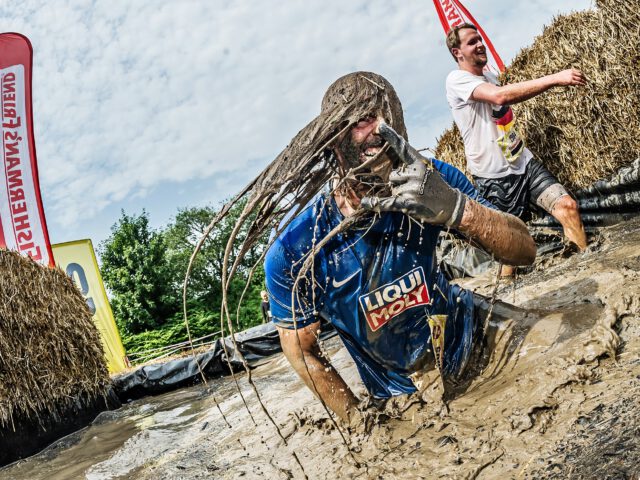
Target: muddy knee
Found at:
565, 207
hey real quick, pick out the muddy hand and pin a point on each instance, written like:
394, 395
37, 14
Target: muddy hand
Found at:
417, 189
406, 152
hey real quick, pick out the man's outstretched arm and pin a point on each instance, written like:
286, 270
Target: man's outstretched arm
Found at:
303, 352
521, 91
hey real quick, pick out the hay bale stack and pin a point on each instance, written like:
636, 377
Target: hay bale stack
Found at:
51, 357
580, 134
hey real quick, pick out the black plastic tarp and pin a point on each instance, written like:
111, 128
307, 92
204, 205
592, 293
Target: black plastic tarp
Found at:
256, 344
601, 219
627, 178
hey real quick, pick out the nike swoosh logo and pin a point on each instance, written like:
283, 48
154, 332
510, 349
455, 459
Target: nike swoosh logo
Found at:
342, 282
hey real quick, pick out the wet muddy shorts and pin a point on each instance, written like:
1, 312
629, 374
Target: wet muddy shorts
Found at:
536, 190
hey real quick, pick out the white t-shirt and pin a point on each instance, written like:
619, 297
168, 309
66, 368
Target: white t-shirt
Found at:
492, 146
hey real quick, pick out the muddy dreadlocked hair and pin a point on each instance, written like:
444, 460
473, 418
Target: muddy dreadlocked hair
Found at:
297, 175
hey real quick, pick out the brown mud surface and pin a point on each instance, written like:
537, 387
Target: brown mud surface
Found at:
557, 398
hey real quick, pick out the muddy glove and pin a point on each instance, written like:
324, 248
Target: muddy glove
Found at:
417, 188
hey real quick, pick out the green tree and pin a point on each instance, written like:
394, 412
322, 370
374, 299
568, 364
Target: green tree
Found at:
136, 271
205, 281
145, 270
182, 237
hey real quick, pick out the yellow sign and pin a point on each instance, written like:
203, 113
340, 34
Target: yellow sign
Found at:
78, 260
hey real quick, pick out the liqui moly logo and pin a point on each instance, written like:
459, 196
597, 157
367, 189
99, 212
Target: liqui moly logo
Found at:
390, 300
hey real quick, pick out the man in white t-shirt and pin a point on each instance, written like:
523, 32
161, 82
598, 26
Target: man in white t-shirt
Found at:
503, 169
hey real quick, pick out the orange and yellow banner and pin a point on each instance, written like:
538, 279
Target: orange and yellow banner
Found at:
78, 260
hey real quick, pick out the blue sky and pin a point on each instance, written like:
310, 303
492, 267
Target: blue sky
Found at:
161, 104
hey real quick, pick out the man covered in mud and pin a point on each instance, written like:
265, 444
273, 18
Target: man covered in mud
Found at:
503, 169
361, 254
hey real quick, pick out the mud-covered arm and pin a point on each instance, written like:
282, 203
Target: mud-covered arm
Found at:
420, 190
503, 235
303, 352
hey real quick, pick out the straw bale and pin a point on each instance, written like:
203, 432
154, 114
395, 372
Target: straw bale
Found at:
579, 134
51, 357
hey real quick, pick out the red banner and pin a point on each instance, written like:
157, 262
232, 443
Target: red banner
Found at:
22, 224
452, 13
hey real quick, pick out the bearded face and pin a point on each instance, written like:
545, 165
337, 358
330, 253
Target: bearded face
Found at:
354, 153
362, 145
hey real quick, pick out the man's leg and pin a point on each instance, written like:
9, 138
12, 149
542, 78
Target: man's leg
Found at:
549, 194
566, 212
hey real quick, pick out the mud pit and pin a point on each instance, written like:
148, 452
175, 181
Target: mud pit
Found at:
551, 403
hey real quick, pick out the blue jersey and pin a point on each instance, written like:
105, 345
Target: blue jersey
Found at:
377, 285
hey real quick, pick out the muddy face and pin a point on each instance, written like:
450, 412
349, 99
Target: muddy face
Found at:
362, 143
360, 100
355, 154
359, 146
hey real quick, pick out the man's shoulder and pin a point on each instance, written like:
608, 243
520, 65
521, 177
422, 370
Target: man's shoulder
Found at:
452, 175
454, 76
458, 75
455, 73
310, 222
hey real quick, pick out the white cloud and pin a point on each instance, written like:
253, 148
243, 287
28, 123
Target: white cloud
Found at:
131, 96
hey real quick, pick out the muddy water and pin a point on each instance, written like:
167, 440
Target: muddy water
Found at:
544, 395
118, 442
